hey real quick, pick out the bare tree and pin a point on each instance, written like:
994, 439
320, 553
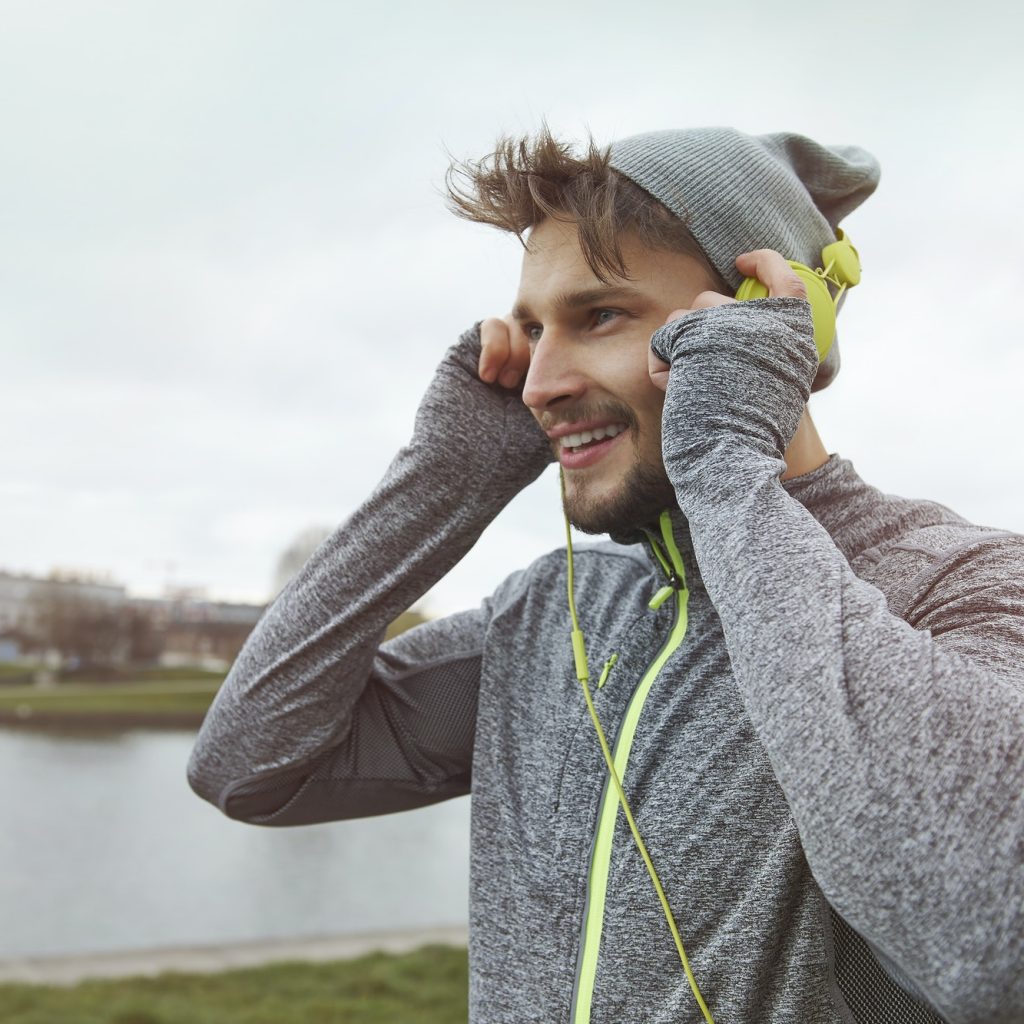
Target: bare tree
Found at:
295, 556
144, 642
83, 630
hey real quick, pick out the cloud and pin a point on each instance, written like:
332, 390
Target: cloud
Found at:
229, 273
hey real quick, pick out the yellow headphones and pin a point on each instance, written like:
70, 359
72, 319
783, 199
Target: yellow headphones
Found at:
840, 266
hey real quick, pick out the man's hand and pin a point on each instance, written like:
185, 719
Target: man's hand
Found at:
741, 375
768, 266
504, 352
470, 416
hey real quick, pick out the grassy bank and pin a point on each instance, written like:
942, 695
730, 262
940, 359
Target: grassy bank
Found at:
169, 701
428, 986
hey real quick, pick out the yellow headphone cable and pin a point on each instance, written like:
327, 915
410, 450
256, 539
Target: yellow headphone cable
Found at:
583, 675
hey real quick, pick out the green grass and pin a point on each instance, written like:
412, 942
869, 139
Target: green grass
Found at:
15, 671
143, 674
428, 986
14, 668
99, 698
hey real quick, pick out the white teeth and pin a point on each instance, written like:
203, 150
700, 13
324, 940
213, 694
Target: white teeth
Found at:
597, 434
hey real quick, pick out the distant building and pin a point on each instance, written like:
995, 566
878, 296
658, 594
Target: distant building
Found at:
23, 598
181, 628
198, 632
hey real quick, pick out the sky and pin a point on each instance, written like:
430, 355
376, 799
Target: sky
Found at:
227, 271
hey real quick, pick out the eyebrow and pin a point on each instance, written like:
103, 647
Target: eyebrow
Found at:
576, 299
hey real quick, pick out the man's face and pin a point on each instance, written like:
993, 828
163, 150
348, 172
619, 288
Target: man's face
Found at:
588, 383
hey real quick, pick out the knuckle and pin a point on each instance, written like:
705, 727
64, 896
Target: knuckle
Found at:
493, 341
493, 326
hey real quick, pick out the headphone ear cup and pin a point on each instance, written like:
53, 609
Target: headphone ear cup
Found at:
823, 310
844, 259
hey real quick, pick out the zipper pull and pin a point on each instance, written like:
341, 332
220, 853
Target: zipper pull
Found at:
674, 584
607, 668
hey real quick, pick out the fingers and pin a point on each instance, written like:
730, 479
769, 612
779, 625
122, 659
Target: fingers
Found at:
773, 271
494, 348
705, 300
708, 300
657, 369
519, 356
504, 352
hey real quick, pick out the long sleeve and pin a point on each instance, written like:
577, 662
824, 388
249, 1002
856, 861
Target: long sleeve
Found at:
316, 719
899, 747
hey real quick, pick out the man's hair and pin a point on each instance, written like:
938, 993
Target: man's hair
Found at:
529, 179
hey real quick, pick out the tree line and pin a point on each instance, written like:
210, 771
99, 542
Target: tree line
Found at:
86, 632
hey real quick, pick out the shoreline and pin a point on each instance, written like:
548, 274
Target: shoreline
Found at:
102, 720
69, 969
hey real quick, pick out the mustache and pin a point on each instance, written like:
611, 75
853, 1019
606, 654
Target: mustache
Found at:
612, 411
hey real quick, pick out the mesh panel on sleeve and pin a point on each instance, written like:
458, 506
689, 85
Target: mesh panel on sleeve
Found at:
421, 728
873, 996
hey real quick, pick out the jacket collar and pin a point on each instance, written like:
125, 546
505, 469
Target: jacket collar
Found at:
680, 532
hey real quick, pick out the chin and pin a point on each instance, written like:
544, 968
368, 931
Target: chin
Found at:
637, 501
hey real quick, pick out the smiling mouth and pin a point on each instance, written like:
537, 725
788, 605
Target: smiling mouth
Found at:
578, 442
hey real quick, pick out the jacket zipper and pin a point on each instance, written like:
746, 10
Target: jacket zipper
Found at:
608, 809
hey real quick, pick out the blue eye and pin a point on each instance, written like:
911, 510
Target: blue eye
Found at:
601, 313
534, 332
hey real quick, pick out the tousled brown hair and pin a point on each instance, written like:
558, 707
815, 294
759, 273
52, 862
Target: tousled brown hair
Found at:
531, 178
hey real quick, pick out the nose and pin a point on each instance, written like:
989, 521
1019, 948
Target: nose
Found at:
554, 376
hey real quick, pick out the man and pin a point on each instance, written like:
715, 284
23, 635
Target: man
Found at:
812, 690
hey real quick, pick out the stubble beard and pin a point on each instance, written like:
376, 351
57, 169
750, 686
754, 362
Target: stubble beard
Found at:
643, 494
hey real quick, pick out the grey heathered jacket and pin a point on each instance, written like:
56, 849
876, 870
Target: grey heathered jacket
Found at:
827, 770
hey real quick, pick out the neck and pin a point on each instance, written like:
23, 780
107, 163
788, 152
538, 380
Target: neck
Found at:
805, 451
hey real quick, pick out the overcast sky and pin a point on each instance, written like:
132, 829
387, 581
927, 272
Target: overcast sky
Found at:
227, 271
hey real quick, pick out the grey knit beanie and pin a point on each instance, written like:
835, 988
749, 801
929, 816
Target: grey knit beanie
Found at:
740, 192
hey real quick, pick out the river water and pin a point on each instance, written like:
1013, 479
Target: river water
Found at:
104, 847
